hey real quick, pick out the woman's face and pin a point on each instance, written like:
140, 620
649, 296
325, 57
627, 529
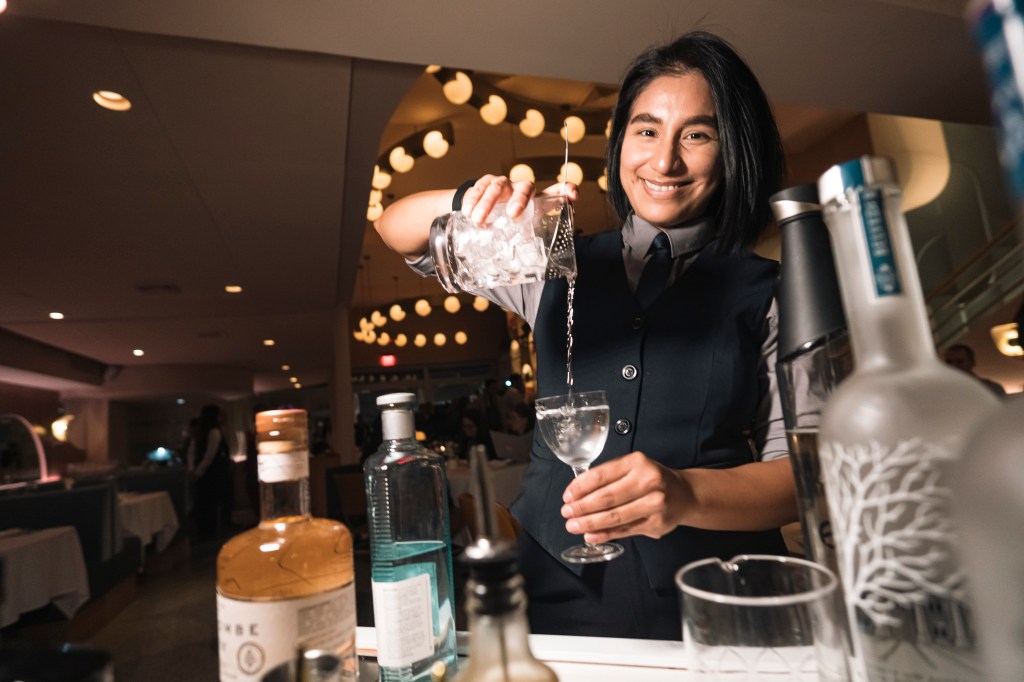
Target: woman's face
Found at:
670, 164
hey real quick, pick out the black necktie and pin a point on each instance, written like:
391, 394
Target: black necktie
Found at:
655, 273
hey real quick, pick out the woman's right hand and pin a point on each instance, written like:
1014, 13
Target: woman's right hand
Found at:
489, 190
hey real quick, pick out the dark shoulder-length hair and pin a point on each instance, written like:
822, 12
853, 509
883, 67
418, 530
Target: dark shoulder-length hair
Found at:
753, 163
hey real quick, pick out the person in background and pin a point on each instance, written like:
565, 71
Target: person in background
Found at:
676, 319
474, 431
519, 420
492, 400
961, 356
209, 465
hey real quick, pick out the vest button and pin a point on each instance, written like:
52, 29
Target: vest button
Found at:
622, 427
629, 372
638, 322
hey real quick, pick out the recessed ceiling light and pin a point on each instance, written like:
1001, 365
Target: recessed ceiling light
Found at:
53, 316
138, 352
108, 99
268, 342
285, 368
233, 289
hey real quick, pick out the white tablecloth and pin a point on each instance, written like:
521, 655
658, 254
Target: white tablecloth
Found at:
149, 517
40, 567
505, 476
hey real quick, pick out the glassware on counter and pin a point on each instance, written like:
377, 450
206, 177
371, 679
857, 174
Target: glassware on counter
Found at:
410, 548
499, 646
762, 617
288, 582
814, 354
888, 437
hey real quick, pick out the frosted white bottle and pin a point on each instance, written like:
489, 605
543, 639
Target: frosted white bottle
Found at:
888, 438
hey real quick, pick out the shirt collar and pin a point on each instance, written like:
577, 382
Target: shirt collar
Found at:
638, 234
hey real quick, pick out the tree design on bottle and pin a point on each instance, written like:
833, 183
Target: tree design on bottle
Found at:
896, 546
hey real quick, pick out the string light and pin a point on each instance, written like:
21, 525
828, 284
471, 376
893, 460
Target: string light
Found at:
434, 144
452, 304
495, 111
480, 304
573, 129
532, 124
458, 89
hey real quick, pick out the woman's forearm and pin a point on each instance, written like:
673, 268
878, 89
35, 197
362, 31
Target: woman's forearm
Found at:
756, 496
405, 224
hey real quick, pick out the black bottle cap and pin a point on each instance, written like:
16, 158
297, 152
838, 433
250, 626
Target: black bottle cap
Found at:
810, 306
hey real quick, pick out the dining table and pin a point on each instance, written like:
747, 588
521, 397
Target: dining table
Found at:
506, 479
41, 567
149, 517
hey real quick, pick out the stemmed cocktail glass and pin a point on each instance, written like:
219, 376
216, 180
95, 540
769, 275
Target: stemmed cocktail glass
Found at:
575, 427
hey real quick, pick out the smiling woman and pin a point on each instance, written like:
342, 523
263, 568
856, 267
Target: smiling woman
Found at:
693, 156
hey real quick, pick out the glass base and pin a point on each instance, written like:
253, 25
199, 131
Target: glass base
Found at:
592, 554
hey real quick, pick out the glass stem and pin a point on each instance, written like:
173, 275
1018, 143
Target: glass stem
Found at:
577, 472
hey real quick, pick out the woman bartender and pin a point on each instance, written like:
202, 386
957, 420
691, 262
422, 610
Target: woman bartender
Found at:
695, 464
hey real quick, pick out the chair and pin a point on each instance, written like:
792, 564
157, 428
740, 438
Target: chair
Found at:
508, 527
346, 500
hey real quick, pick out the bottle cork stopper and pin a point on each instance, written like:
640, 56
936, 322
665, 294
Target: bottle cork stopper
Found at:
281, 431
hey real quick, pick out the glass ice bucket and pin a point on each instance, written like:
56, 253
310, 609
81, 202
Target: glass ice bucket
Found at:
534, 246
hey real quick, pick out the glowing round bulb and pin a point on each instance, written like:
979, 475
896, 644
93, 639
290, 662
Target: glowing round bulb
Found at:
514, 346
452, 304
233, 289
396, 312
520, 172
401, 340
268, 342
608, 129
434, 144
420, 341
602, 182
358, 336
138, 352
374, 212
532, 124
571, 172
381, 179
108, 99
459, 89
433, 68
440, 339
573, 129
365, 324
294, 380
297, 385
384, 339
378, 319
56, 316
376, 196
422, 307
285, 368
400, 160
480, 304
494, 111
369, 336
461, 338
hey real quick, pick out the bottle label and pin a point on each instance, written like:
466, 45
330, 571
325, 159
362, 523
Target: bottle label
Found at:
276, 468
896, 544
884, 272
403, 614
995, 31
256, 636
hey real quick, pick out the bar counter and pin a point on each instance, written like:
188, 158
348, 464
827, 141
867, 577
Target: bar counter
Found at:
600, 659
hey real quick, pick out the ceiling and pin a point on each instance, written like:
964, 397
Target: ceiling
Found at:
246, 157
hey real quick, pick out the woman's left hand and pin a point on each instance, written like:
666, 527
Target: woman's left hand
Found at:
631, 495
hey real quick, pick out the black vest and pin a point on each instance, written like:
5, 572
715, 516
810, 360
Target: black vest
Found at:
681, 379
